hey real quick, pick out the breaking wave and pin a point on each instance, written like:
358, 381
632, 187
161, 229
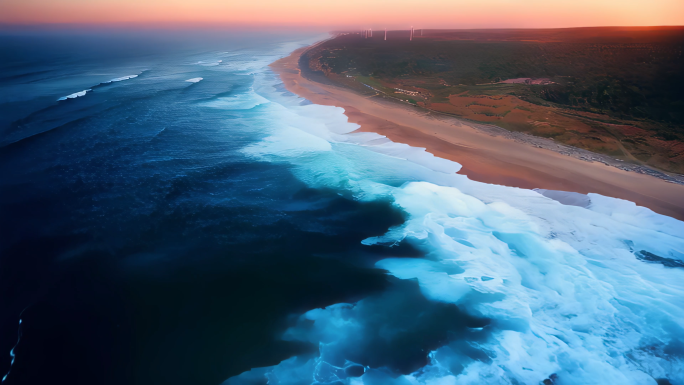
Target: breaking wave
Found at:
516, 287
74, 95
244, 101
84, 92
211, 63
120, 79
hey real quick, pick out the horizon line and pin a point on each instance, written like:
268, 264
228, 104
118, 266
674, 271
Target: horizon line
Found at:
330, 29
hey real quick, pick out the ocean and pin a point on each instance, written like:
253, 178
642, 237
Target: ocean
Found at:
171, 214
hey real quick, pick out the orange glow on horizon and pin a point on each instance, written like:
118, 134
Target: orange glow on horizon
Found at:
350, 13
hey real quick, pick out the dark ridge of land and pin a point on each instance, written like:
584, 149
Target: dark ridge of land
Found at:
617, 91
605, 35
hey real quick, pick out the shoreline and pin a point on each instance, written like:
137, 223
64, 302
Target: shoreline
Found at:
484, 157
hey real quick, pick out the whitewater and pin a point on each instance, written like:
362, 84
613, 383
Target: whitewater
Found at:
577, 293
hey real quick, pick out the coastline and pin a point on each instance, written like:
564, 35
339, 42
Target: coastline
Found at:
484, 157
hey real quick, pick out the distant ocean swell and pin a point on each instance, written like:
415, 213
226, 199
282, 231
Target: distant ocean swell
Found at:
544, 291
84, 92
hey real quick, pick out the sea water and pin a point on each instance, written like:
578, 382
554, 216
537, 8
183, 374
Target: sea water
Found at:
171, 214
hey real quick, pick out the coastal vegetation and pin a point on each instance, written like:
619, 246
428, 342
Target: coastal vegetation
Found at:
617, 91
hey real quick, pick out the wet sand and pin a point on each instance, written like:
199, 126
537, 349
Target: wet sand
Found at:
484, 158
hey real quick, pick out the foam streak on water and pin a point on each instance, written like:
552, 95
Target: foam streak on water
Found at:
562, 288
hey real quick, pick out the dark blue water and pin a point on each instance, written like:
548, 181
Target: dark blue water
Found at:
170, 214
139, 245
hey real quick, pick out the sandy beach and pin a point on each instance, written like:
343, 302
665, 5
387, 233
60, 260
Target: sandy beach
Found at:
485, 158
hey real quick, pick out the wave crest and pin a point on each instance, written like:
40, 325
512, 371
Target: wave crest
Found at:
74, 95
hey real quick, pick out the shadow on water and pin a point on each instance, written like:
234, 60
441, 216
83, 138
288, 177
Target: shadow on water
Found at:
148, 313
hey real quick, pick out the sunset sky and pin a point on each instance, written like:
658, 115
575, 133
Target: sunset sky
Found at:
349, 13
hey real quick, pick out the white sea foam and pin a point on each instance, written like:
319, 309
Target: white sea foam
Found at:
194, 80
120, 79
84, 92
248, 66
245, 101
249, 63
570, 282
74, 95
209, 63
558, 274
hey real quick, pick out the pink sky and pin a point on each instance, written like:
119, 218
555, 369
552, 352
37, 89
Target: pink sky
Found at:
328, 14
